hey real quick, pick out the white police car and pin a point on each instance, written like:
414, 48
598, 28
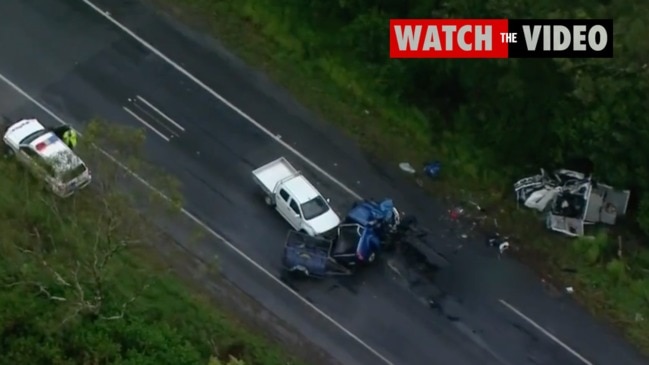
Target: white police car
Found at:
47, 156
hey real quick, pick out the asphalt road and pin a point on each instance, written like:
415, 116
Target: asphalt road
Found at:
78, 65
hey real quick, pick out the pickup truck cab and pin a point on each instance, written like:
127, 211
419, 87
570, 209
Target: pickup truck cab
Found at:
295, 198
46, 156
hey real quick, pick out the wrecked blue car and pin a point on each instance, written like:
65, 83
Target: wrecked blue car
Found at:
355, 244
351, 246
381, 216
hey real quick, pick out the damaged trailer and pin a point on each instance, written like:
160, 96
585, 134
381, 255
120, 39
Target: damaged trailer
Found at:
572, 200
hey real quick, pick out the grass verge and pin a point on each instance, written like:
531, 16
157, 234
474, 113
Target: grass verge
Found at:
80, 285
613, 287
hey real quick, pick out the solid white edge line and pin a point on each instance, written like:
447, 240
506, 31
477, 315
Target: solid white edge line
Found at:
209, 230
137, 117
227, 103
165, 116
221, 98
544, 331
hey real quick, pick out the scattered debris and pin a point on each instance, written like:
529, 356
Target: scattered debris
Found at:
570, 290
639, 317
464, 236
496, 240
571, 200
432, 169
456, 213
478, 207
407, 167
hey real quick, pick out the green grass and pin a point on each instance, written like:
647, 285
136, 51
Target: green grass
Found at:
344, 93
80, 286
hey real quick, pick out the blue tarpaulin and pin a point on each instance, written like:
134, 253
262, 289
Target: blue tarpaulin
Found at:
433, 169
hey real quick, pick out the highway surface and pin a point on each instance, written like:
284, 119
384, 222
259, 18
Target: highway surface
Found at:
211, 120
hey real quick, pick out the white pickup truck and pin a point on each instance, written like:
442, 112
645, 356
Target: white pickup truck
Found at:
295, 198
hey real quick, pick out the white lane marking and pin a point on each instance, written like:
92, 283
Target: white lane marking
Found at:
152, 128
154, 118
210, 230
165, 116
545, 332
223, 100
210, 91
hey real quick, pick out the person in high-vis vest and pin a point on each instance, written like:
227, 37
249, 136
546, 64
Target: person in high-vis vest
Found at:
70, 138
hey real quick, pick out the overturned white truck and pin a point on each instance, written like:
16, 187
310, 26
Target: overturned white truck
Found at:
571, 200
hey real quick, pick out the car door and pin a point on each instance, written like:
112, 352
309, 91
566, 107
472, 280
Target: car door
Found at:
27, 157
36, 164
295, 214
282, 206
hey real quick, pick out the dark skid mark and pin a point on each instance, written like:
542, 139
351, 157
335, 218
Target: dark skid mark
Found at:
209, 186
218, 139
525, 331
350, 283
290, 282
418, 272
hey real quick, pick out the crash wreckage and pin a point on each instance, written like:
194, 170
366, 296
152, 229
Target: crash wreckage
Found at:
571, 200
369, 227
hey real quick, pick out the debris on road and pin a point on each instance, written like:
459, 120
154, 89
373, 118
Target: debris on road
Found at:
503, 247
496, 240
639, 317
407, 167
571, 200
456, 213
433, 169
570, 290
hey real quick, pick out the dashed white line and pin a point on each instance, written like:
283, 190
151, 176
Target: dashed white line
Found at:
165, 116
245, 116
270, 134
146, 124
545, 332
205, 226
221, 98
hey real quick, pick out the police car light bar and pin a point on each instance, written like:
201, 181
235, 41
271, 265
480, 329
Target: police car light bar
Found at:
43, 145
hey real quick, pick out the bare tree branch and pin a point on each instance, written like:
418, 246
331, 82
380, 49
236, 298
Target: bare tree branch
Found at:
112, 251
42, 289
125, 305
81, 295
43, 262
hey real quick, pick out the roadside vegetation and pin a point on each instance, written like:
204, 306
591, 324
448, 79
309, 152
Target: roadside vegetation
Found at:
79, 283
489, 122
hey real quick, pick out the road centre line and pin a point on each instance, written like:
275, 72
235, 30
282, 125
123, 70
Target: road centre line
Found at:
205, 226
245, 116
155, 119
544, 331
220, 98
146, 124
165, 116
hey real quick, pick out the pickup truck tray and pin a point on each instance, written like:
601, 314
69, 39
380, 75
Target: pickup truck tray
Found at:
272, 173
310, 256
